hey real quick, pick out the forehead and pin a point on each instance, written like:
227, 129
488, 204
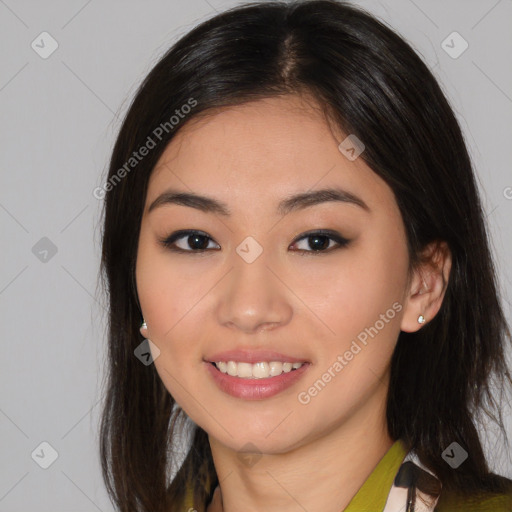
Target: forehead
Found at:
263, 149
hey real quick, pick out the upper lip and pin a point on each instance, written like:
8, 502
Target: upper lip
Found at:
253, 356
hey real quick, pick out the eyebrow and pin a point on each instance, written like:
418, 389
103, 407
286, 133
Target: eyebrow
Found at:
287, 205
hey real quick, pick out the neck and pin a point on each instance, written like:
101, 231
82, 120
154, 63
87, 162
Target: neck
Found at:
323, 474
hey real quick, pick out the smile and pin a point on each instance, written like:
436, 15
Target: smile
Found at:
260, 370
255, 381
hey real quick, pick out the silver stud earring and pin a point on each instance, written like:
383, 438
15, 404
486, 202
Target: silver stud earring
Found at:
144, 325
421, 319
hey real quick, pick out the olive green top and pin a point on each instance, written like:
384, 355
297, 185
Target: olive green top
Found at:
373, 494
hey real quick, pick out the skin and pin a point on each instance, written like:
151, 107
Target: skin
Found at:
307, 305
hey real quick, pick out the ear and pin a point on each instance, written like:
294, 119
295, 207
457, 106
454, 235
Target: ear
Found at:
427, 287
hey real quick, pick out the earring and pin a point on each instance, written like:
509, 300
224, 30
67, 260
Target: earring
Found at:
421, 319
143, 325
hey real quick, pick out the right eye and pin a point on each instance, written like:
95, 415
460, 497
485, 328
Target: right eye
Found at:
188, 241
197, 241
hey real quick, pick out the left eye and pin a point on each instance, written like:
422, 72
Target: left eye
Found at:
319, 241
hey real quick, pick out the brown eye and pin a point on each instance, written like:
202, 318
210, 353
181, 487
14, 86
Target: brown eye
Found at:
194, 241
319, 241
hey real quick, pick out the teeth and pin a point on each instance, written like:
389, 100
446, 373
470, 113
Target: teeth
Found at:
259, 370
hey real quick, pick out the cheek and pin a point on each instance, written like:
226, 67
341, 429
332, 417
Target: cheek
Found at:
167, 293
352, 293
167, 299
362, 306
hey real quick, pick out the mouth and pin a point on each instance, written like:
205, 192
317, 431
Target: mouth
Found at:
259, 370
257, 380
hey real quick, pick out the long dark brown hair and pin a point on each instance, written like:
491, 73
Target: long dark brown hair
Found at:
371, 83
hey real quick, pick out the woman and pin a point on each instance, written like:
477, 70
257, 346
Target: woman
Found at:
292, 216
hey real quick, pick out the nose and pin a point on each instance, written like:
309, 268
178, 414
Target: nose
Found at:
253, 298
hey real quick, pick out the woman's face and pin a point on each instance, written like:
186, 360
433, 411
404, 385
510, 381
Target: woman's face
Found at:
252, 287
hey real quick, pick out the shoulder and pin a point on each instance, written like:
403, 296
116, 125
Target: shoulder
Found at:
485, 502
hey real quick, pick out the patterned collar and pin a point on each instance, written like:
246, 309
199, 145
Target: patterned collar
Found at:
399, 483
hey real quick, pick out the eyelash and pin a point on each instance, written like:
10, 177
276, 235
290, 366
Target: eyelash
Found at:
168, 242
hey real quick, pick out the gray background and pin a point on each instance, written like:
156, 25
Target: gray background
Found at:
59, 117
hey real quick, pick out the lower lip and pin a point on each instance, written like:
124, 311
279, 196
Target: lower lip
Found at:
255, 389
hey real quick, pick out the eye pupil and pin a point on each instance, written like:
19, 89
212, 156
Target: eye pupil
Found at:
196, 237
320, 246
